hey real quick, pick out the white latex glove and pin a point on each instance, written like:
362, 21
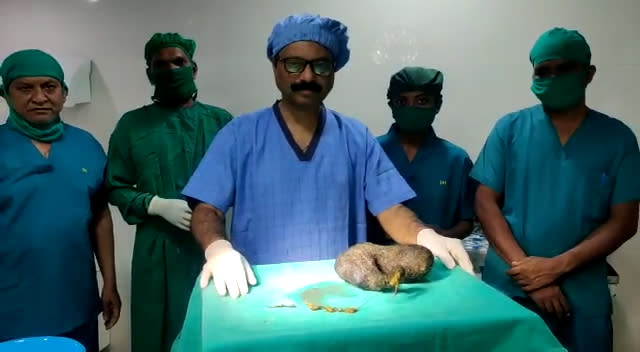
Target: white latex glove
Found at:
449, 250
175, 211
230, 270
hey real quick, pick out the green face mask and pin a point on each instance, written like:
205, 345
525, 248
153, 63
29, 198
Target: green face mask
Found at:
46, 133
174, 86
561, 92
413, 119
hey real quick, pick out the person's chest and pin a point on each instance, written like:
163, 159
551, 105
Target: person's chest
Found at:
69, 164
433, 172
272, 178
64, 181
555, 192
165, 153
161, 137
536, 154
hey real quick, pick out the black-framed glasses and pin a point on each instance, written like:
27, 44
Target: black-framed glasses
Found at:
548, 71
320, 67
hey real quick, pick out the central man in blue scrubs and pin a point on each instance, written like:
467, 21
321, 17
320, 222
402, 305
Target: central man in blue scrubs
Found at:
299, 176
559, 193
436, 169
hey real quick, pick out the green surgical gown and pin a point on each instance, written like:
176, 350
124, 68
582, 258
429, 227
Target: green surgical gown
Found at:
153, 151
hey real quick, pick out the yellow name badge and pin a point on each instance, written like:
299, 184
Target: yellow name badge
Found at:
443, 182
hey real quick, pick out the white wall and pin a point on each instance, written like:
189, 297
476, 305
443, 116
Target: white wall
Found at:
481, 46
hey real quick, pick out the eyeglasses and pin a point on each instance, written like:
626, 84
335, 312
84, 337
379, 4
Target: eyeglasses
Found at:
547, 71
320, 67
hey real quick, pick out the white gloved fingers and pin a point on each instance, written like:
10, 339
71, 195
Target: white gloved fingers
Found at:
231, 271
187, 217
445, 257
205, 275
462, 257
242, 283
251, 277
232, 285
185, 225
240, 275
220, 283
438, 245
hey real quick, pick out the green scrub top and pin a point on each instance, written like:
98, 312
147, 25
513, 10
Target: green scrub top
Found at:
438, 174
555, 196
153, 151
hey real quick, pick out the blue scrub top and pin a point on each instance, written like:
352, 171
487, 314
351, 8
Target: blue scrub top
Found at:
555, 196
48, 284
291, 205
439, 174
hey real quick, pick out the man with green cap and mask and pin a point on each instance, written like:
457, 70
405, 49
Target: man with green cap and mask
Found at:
54, 213
559, 192
152, 152
437, 170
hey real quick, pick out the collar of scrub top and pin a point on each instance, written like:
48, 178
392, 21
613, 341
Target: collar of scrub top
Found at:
429, 137
302, 154
394, 137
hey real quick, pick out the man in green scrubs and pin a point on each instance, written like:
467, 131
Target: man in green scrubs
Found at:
436, 169
152, 153
559, 193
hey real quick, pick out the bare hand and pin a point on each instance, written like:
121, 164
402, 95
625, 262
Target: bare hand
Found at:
110, 306
533, 273
551, 300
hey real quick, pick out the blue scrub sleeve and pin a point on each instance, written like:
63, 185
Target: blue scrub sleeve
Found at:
489, 169
384, 186
627, 183
214, 180
468, 192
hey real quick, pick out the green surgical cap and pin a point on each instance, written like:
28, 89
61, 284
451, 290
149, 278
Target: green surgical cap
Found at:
560, 44
409, 79
30, 63
160, 41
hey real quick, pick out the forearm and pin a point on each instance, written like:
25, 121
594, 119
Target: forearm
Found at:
207, 224
460, 230
599, 244
103, 241
131, 203
401, 224
120, 182
497, 230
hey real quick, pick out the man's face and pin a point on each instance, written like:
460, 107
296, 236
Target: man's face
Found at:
37, 99
416, 99
304, 73
169, 59
554, 68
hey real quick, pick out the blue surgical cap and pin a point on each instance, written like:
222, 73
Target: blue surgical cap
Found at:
325, 31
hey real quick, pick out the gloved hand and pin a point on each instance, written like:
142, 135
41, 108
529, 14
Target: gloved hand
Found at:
229, 269
175, 211
449, 250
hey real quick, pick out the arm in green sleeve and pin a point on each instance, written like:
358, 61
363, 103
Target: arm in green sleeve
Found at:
120, 179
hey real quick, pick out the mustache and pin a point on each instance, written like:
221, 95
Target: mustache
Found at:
304, 85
